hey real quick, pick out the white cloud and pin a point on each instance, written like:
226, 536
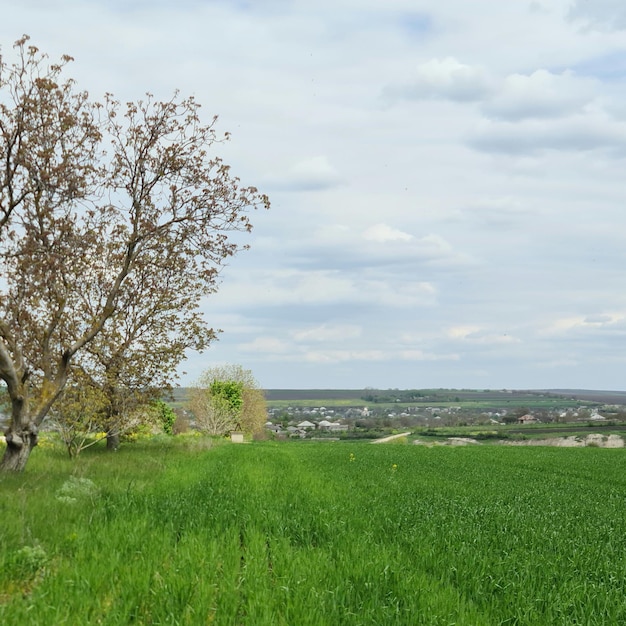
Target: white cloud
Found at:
312, 174
558, 363
496, 212
336, 356
599, 319
541, 94
580, 133
382, 233
327, 332
477, 335
344, 356
585, 324
461, 332
266, 345
319, 288
446, 79
419, 355
343, 247
492, 339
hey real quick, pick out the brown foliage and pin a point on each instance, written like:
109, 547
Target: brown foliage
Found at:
114, 222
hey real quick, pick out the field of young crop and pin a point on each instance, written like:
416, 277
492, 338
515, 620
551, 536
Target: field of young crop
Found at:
315, 534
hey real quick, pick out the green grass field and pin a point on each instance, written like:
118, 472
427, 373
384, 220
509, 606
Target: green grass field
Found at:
179, 532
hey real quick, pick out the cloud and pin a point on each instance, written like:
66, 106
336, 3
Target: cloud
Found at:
581, 326
284, 287
579, 133
344, 356
461, 332
344, 247
598, 319
266, 345
542, 95
445, 79
477, 335
327, 332
529, 114
601, 15
419, 355
312, 174
332, 356
496, 213
558, 363
382, 233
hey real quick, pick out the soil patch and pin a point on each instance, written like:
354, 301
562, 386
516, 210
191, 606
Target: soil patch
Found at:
595, 440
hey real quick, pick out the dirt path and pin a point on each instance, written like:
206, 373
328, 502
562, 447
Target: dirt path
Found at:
385, 439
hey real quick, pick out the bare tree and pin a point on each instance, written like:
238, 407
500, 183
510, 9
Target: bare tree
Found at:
98, 201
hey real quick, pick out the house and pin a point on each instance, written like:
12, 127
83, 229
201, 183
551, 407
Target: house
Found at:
306, 425
294, 431
528, 419
331, 426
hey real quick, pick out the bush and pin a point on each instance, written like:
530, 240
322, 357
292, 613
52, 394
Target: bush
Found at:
27, 562
165, 416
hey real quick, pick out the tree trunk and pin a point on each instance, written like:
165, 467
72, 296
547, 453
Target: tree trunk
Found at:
113, 441
19, 446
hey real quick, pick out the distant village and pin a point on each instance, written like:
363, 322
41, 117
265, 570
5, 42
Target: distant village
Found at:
323, 422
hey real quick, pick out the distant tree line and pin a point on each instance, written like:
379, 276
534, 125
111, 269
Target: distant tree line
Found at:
392, 395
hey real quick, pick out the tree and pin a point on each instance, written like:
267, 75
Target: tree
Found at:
165, 416
133, 360
83, 414
98, 200
77, 416
228, 394
228, 398
212, 415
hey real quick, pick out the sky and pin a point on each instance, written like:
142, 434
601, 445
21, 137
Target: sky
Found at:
447, 178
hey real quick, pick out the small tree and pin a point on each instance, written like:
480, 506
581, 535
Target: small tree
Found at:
229, 395
228, 398
84, 415
77, 416
165, 416
134, 359
212, 415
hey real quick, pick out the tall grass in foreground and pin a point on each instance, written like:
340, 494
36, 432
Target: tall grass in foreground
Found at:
315, 534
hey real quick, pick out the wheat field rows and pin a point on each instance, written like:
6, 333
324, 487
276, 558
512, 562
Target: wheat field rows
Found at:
315, 533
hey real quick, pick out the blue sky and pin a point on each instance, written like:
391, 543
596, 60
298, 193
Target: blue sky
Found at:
448, 206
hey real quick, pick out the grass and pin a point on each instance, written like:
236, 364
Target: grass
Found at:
496, 432
469, 405
315, 533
